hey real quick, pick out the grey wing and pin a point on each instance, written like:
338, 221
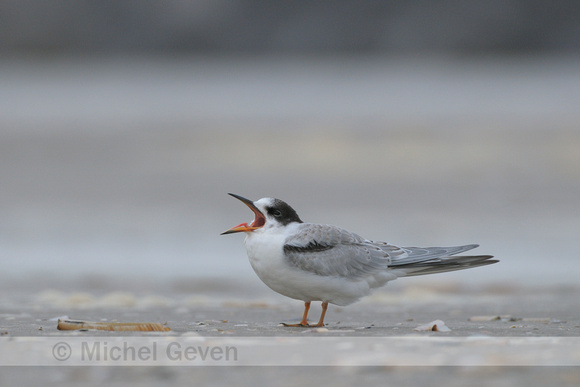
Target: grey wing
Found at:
425, 254
431, 260
332, 251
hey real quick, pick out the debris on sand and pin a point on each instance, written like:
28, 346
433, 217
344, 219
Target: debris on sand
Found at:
68, 325
434, 326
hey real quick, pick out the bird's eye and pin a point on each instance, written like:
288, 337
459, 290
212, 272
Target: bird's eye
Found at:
277, 213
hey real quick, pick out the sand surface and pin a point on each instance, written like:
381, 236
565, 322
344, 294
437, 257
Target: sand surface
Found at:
114, 177
507, 334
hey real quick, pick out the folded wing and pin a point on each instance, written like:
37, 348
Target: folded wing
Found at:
328, 250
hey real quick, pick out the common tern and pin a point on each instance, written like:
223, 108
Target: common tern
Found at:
319, 262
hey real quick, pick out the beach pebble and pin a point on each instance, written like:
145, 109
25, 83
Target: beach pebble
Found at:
435, 326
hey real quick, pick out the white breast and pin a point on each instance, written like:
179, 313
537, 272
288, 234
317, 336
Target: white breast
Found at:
265, 248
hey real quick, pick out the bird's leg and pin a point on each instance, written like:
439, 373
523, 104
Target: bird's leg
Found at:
304, 322
321, 321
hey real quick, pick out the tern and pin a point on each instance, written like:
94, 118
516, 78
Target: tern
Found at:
319, 262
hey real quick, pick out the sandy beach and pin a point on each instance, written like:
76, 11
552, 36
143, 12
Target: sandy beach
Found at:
254, 310
517, 333
114, 194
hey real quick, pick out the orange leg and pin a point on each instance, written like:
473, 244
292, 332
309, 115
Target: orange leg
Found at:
321, 321
304, 322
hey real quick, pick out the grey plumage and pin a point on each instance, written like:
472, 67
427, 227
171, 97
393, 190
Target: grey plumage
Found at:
446, 264
316, 262
328, 250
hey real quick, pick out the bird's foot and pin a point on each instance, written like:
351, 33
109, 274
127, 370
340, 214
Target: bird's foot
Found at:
302, 325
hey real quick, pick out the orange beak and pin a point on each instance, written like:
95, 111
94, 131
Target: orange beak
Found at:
259, 218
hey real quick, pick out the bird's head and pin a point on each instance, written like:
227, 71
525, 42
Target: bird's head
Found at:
268, 212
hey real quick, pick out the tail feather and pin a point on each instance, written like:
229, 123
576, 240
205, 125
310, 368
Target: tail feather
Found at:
447, 264
424, 254
430, 260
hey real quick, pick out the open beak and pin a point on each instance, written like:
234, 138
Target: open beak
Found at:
259, 218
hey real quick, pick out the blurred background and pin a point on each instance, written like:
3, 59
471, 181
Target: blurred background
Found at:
124, 124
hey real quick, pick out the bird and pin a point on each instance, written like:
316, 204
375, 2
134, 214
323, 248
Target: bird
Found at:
320, 262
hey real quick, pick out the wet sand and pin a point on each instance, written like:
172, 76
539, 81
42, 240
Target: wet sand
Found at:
250, 309
398, 352
114, 194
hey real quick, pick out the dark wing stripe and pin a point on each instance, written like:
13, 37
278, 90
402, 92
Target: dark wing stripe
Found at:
311, 247
331, 251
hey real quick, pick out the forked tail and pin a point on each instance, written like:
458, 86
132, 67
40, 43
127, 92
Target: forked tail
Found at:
431, 260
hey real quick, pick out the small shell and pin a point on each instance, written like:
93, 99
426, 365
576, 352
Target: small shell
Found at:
434, 326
